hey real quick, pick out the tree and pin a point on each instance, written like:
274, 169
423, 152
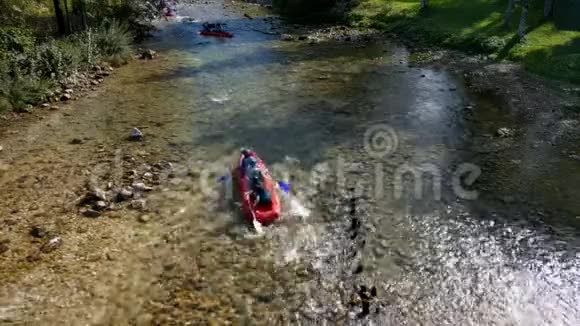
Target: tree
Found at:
80, 9
60, 23
523, 19
508, 12
548, 8
424, 4
67, 13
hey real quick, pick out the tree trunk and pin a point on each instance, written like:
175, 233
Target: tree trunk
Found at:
548, 8
60, 23
424, 4
80, 9
523, 19
508, 12
68, 22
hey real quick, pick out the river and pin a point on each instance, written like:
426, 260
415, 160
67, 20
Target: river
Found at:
347, 124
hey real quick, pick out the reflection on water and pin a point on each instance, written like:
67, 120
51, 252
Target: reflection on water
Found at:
432, 262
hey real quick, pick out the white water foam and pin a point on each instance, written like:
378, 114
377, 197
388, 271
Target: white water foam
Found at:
220, 98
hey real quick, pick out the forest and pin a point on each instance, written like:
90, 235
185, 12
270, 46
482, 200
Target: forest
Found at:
43, 42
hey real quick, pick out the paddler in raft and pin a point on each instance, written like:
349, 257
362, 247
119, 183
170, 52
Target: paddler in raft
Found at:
258, 193
212, 27
248, 162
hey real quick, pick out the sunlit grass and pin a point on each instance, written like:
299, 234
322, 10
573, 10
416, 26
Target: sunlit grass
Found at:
478, 26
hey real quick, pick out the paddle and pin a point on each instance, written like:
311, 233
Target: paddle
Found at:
255, 222
285, 186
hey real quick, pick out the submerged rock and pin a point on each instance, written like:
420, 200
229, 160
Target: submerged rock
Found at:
99, 194
504, 132
138, 204
51, 245
88, 212
287, 37
141, 187
125, 194
136, 135
575, 157
82, 229
148, 54
38, 232
33, 257
144, 218
3, 248
508, 199
26, 109
101, 205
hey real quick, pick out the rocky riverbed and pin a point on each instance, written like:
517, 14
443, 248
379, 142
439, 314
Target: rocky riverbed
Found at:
111, 210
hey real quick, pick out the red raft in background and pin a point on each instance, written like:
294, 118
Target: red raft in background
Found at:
265, 214
217, 34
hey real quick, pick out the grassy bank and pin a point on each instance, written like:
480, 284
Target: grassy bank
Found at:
478, 26
34, 61
31, 68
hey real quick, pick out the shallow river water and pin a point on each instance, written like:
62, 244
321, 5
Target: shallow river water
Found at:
343, 121
347, 124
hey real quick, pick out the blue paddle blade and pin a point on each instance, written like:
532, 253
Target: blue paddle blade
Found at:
284, 186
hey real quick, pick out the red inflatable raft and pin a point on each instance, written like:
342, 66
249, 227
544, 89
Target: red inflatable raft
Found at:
265, 214
217, 34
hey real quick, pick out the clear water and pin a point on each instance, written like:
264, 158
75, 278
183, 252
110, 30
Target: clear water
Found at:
306, 108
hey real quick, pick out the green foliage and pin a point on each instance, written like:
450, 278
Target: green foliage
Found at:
135, 14
478, 26
13, 39
17, 89
23, 91
493, 44
31, 62
28, 70
53, 61
114, 42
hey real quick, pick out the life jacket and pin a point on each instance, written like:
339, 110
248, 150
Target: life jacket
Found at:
264, 196
257, 186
